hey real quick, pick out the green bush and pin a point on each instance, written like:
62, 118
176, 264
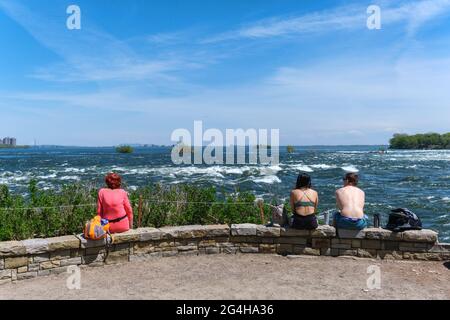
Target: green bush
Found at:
420, 141
50, 213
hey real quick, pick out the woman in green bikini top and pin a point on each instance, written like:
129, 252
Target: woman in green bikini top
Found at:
304, 201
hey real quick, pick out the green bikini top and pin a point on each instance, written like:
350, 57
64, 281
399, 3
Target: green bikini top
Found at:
304, 204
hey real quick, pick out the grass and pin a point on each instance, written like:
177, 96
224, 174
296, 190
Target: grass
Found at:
51, 213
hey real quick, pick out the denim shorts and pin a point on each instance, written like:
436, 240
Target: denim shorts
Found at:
349, 223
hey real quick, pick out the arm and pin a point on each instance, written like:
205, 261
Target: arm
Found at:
292, 202
338, 203
128, 209
317, 202
99, 204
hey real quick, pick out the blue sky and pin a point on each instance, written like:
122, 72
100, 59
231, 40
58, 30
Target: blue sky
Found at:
139, 69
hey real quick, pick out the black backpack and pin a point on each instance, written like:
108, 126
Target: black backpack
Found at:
402, 219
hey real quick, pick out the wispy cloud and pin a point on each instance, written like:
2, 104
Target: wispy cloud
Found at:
351, 17
91, 54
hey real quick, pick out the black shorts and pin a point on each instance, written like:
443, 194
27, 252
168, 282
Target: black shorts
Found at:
308, 222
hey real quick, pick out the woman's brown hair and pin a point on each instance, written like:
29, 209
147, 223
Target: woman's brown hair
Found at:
113, 180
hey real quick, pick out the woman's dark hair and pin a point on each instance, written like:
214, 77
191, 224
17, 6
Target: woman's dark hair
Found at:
303, 181
352, 179
113, 180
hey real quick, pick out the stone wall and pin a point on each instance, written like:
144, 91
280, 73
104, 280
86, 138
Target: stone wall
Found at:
37, 257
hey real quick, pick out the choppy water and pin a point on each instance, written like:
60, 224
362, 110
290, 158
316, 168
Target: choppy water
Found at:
419, 180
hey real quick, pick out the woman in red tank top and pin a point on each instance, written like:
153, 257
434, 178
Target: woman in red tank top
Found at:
113, 204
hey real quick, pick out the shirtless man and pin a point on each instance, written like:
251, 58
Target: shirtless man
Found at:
350, 201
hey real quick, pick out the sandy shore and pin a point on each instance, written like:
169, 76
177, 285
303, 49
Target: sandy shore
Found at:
244, 277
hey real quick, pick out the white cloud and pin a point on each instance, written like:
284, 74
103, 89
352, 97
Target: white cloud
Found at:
353, 17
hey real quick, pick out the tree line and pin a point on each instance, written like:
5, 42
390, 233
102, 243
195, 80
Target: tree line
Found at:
420, 141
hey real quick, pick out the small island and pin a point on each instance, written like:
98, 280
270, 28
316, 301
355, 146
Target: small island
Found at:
426, 141
124, 149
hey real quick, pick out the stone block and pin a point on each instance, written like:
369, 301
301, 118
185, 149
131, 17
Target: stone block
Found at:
341, 243
227, 247
60, 254
207, 243
27, 275
41, 257
33, 267
423, 235
267, 248
35, 246
22, 269
306, 251
290, 232
263, 231
351, 234
188, 248
169, 253
5, 274
348, 252
131, 235
285, 248
63, 243
371, 244
409, 247
390, 245
150, 234
426, 256
12, 248
15, 262
382, 234
366, 253
248, 249
195, 231
117, 257
323, 231
389, 255
188, 253
121, 246
356, 243
321, 243
293, 240
71, 262
212, 250
43, 272
58, 270
245, 239
143, 248
244, 229
50, 264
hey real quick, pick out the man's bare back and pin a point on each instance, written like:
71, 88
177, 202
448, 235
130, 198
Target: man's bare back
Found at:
350, 201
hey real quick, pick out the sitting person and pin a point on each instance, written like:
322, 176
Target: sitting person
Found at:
113, 205
304, 201
350, 201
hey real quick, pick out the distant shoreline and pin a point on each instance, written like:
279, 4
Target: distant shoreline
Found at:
3, 146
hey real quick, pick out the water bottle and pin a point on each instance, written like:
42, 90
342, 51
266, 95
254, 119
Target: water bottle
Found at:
326, 217
376, 220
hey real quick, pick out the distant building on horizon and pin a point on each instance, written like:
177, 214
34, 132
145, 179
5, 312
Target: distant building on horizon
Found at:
9, 141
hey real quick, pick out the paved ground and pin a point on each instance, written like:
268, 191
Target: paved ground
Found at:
244, 277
